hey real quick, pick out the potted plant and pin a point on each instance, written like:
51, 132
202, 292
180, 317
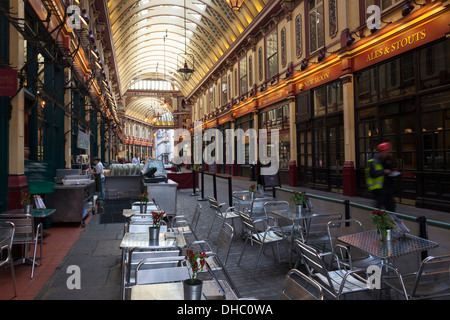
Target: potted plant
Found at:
143, 199
383, 222
193, 286
299, 199
154, 230
25, 201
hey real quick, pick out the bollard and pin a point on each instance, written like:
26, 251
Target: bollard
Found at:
347, 212
423, 233
194, 189
215, 186
230, 192
202, 198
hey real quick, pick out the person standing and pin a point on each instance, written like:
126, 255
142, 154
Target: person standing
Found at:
136, 159
100, 170
377, 180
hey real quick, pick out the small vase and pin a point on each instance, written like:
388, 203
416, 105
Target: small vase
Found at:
252, 196
383, 233
28, 208
153, 233
192, 291
298, 208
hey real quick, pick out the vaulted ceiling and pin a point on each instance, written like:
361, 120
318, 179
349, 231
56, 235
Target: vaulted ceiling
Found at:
151, 37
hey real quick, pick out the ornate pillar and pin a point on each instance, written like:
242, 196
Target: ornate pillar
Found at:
349, 174
293, 171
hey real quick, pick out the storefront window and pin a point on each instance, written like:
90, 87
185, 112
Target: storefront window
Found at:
435, 65
385, 4
397, 77
316, 25
272, 54
367, 90
328, 99
435, 131
243, 75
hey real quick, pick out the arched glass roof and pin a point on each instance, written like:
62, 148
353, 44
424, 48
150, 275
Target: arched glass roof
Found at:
149, 37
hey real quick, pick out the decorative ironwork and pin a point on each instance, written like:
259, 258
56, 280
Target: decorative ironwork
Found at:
260, 64
283, 47
298, 36
333, 18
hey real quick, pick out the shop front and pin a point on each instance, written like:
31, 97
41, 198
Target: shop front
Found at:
320, 129
402, 96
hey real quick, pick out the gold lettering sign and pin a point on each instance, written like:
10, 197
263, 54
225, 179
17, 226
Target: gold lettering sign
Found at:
397, 45
314, 80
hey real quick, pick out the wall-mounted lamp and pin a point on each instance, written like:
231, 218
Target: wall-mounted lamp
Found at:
304, 65
351, 39
321, 56
407, 8
85, 17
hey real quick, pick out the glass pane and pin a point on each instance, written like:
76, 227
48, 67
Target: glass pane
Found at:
319, 101
367, 87
435, 65
437, 101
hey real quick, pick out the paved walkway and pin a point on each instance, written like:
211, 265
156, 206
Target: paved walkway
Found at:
98, 256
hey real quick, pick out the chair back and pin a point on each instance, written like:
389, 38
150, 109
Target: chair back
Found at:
257, 206
249, 224
216, 210
7, 230
24, 226
224, 239
160, 270
338, 228
298, 286
196, 217
433, 277
318, 226
281, 206
313, 261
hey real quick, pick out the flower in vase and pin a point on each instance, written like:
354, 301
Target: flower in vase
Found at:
382, 222
143, 197
196, 263
298, 198
252, 188
157, 218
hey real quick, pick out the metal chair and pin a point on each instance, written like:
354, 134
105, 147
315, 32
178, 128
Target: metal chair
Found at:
213, 262
316, 230
25, 234
348, 255
180, 223
430, 281
160, 270
270, 235
224, 240
257, 210
7, 230
230, 213
288, 227
130, 262
338, 282
295, 287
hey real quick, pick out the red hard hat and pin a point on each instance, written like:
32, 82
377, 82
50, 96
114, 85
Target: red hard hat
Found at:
385, 146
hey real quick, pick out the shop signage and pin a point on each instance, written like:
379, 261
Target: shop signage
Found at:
426, 30
319, 78
225, 118
83, 140
272, 98
8, 82
244, 110
390, 49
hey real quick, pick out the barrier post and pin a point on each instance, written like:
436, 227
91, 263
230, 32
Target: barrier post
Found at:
202, 198
230, 192
194, 191
423, 233
215, 186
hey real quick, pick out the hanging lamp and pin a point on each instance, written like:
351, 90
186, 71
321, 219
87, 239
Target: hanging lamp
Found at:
185, 71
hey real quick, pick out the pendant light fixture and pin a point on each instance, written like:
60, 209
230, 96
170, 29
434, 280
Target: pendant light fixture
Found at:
185, 71
235, 5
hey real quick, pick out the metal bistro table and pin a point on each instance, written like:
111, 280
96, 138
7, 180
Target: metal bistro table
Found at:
401, 245
298, 220
174, 291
